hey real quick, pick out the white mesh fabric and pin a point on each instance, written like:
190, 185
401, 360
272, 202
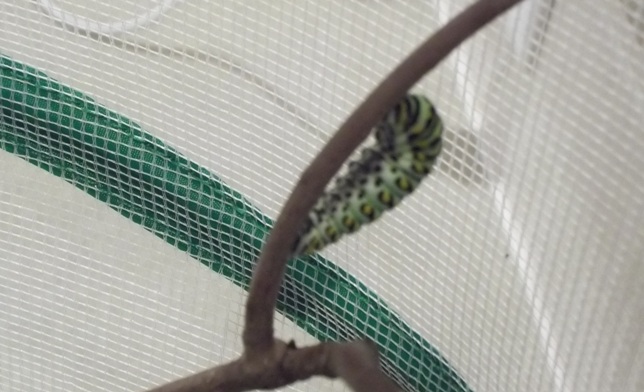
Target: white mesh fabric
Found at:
519, 259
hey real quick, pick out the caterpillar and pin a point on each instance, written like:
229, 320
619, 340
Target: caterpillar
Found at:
408, 142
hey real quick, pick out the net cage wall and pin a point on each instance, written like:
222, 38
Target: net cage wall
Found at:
148, 146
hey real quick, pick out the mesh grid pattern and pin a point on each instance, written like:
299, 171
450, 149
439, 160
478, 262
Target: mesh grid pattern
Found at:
519, 260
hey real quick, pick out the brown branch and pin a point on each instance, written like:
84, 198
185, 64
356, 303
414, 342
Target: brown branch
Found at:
268, 273
282, 364
268, 362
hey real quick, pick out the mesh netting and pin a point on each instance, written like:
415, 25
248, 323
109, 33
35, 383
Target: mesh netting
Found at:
146, 147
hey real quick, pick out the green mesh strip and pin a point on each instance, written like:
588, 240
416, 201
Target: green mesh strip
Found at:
111, 158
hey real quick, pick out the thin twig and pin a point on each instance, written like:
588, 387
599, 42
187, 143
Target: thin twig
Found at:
268, 362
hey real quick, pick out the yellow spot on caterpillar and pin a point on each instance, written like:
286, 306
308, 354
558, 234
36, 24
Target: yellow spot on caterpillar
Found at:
331, 232
419, 156
420, 168
349, 223
385, 198
314, 245
367, 209
404, 184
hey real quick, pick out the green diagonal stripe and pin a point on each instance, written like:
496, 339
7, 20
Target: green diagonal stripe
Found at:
111, 158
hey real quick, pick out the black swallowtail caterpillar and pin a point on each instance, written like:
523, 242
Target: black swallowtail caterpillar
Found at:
408, 141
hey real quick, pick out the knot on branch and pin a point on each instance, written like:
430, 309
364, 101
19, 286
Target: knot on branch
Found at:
284, 363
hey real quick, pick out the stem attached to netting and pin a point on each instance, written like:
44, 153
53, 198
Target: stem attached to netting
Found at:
268, 362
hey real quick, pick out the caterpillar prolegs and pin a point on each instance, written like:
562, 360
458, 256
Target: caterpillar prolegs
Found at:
408, 141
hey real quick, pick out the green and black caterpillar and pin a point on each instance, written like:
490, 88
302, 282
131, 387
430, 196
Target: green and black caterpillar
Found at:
408, 142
